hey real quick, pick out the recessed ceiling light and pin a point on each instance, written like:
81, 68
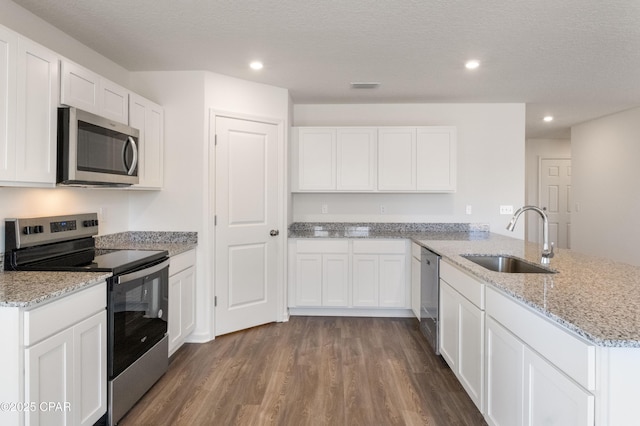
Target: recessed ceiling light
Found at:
548, 118
472, 64
256, 65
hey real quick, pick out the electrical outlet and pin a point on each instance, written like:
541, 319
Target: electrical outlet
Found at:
506, 209
383, 209
325, 209
468, 209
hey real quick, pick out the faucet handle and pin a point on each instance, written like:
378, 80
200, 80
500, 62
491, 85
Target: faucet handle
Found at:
551, 253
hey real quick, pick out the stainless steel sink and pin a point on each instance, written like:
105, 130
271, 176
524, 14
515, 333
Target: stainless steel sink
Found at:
507, 264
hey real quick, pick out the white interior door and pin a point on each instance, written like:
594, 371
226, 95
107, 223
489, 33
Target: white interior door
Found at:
555, 198
246, 254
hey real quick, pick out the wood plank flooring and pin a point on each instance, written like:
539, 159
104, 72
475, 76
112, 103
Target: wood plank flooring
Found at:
309, 371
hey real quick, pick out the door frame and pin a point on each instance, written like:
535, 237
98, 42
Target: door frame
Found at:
283, 188
537, 224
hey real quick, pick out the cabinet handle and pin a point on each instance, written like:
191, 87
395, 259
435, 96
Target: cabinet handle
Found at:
274, 232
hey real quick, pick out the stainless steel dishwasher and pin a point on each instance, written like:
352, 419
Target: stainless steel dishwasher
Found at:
430, 297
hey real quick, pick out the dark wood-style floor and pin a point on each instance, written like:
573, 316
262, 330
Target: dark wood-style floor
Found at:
309, 371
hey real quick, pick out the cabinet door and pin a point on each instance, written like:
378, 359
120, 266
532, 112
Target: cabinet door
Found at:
392, 281
436, 159
80, 87
148, 118
49, 378
37, 117
335, 280
449, 325
114, 101
90, 369
316, 159
309, 280
471, 350
174, 326
504, 371
181, 307
415, 286
396, 159
365, 280
8, 46
356, 159
551, 398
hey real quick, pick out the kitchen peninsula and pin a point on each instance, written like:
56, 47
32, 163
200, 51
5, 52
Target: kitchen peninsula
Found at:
572, 335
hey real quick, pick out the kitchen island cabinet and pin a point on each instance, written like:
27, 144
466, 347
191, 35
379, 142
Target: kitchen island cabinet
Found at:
462, 329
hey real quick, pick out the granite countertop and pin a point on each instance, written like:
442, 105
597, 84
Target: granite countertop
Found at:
448, 231
174, 242
28, 289
597, 298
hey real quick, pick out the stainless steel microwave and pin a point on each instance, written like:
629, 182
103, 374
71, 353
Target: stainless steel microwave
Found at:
95, 151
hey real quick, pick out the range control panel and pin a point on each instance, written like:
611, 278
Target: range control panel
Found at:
26, 232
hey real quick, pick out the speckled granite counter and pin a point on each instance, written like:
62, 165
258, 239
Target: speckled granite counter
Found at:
449, 231
174, 242
596, 298
28, 289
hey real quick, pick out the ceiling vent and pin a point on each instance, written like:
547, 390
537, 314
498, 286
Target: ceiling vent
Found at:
364, 85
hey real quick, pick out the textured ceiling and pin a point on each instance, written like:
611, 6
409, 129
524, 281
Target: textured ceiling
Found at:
574, 59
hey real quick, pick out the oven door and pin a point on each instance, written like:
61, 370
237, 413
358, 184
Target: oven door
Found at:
138, 313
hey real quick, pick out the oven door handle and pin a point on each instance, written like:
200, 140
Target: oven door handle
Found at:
143, 272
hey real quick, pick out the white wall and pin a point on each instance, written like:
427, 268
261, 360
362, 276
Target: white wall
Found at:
184, 203
606, 173
491, 155
534, 150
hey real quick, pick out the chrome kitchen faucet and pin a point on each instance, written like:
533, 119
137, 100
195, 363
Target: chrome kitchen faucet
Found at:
547, 250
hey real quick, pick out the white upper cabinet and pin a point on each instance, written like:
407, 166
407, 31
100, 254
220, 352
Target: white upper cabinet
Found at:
148, 118
436, 159
396, 163
374, 159
8, 52
356, 159
29, 88
84, 89
317, 159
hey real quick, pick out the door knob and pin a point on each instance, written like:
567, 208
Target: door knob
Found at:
274, 232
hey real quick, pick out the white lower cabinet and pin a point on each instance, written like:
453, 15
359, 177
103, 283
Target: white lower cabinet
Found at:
54, 360
322, 274
462, 329
182, 281
68, 368
342, 273
523, 386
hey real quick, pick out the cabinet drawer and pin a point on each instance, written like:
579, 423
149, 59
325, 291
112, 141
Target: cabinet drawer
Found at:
47, 320
322, 246
182, 261
380, 247
568, 352
416, 250
465, 284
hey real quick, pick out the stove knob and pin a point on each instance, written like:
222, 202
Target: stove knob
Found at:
27, 230
95, 222
86, 223
39, 229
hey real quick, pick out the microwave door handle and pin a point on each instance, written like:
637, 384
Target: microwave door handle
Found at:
134, 163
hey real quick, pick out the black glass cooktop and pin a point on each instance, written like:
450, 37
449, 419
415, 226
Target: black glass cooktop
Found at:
100, 260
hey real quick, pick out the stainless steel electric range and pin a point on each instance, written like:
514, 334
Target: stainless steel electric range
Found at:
137, 296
